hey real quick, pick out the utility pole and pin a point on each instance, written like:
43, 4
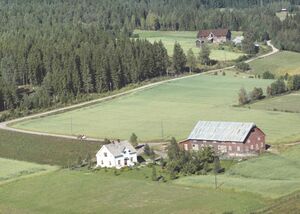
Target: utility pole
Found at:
162, 130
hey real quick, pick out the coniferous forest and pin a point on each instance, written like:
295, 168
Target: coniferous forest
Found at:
63, 49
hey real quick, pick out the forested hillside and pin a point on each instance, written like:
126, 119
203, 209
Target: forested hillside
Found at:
54, 51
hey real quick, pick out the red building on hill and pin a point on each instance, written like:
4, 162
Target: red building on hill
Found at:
213, 36
232, 139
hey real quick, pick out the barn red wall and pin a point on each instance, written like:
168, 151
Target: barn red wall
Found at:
254, 143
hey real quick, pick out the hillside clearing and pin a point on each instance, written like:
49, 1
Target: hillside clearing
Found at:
187, 40
155, 114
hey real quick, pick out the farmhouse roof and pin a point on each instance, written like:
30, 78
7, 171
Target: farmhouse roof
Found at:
117, 148
216, 32
221, 131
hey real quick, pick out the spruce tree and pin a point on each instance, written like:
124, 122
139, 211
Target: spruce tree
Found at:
179, 58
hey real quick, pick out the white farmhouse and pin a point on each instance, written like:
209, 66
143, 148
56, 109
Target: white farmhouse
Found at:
116, 154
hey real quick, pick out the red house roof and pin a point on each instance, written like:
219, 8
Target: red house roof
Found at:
216, 32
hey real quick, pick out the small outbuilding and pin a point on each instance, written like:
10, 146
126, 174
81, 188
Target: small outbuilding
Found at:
117, 154
231, 139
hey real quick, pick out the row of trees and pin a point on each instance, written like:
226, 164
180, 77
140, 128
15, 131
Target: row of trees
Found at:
292, 83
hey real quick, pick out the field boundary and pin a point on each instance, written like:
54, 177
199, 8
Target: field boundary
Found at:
6, 125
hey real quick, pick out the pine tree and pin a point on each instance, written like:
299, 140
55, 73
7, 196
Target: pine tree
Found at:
191, 60
179, 58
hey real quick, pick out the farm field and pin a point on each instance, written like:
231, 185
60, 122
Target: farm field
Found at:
105, 193
187, 41
279, 64
270, 175
171, 109
43, 149
289, 102
12, 169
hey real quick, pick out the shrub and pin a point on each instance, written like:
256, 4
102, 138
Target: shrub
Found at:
268, 75
242, 66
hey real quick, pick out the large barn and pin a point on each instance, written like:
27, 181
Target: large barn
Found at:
233, 139
213, 36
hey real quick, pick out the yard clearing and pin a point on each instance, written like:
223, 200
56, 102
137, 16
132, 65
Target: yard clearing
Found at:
102, 192
278, 64
170, 109
187, 40
271, 176
12, 169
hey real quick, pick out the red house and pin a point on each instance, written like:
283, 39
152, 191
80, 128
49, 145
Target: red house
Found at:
232, 139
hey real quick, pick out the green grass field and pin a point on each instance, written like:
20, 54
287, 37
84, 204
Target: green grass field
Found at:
270, 175
12, 169
289, 103
171, 109
85, 192
187, 41
44, 150
279, 64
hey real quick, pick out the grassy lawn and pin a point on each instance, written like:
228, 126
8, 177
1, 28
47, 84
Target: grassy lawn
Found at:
187, 41
44, 150
289, 102
12, 169
270, 175
85, 192
171, 109
279, 64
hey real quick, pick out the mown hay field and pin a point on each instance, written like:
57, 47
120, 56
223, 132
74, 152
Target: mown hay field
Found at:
278, 64
68, 191
271, 175
13, 169
171, 109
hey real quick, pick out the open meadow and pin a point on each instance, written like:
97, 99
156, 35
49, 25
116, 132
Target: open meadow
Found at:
271, 175
13, 169
278, 64
187, 40
171, 109
130, 192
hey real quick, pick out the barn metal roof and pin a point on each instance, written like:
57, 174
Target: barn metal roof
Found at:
221, 131
117, 148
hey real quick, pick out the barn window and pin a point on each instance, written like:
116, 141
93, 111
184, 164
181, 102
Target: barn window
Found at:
258, 138
238, 148
248, 141
186, 147
105, 154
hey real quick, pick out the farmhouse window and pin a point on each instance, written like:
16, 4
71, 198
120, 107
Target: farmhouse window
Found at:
105, 154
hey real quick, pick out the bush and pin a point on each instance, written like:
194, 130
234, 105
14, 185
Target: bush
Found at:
242, 66
268, 75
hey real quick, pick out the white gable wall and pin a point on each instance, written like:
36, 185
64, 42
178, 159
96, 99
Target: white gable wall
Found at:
111, 161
